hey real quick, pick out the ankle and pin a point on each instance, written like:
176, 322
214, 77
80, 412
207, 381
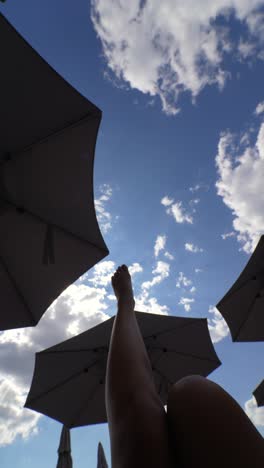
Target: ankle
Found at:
126, 302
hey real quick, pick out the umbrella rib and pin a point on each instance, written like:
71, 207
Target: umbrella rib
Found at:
236, 290
103, 348
171, 329
163, 376
42, 220
45, 392
246, 319
201, 358
56, 132
77, 413
17, 290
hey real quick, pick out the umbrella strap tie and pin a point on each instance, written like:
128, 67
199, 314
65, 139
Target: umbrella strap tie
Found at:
48, 250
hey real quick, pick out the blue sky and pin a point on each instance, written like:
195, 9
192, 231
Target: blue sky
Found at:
178, 166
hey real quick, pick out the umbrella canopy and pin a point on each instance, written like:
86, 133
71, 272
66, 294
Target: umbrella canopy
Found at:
259, 394
101, 460
69, 378
64, 450
49, 233
243, 306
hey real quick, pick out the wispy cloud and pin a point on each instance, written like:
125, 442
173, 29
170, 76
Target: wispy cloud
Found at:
254, 413
177, 210
240, 184
102, 272
160, 273
194, 201
228, 234
182, 281
260, 108
170, 47
159, 244
217, 326
168, 255
198, 270
192, 248
146, 303
77, 309
186, 302
135, 268
166, 201
103, 215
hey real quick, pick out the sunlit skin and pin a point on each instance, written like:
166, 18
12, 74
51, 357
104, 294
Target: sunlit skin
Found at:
203, 426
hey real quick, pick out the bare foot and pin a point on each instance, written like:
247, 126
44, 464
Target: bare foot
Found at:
122, 286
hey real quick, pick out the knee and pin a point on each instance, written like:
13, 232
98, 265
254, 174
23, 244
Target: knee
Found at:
188, 391
188, 385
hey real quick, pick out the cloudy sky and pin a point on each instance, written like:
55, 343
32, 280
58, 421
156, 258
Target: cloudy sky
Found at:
178, 181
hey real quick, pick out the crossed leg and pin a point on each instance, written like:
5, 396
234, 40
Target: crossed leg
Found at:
136, 417
209, 429
203, 427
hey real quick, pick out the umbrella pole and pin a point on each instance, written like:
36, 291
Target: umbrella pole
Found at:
131, 397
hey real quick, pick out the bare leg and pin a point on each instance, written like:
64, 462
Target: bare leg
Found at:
209, 429
136, 417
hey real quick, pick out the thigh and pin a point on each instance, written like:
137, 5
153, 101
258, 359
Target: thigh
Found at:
208, 428
140, 438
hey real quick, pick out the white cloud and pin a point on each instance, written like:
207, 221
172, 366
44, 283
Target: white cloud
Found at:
193, 290
170, 47
194, 201
179, 214
195, 188
246, 49
198, 187
186, 303
104, 217
260, 108
217, 326
135, 268
102, 273
14, 419
145, 303
182, 281
255, 413
227, 235
159, 245
192, 248
168, 255
166, 201
198, 270
240, 184
79, 308
161, 272
176, 210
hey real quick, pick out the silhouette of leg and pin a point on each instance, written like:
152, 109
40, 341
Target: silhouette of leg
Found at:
209, 429
137, 420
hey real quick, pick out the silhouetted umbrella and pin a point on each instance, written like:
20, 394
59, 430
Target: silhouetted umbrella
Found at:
49, 234
259, 394
68, 382
101, 460
243, 306
64, 450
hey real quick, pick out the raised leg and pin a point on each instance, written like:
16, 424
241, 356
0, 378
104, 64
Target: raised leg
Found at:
209, 429
137, 420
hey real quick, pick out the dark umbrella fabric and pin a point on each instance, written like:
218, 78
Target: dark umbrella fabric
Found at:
259, 394
49, 234
69, 378
101, 459
64, 450
243, 305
